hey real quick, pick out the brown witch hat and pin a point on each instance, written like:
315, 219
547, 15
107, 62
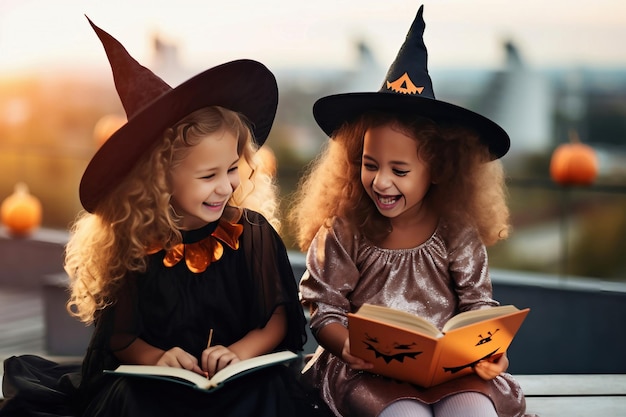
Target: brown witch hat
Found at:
151, 106
408, 89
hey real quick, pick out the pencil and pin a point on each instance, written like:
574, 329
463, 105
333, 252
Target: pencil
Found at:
208, 345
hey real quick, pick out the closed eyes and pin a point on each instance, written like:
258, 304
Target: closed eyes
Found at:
212, 175
398, 172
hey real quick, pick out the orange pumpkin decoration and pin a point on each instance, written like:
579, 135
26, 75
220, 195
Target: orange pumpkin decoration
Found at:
21, 212
574, 163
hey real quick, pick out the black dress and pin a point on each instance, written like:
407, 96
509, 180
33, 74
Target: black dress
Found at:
171, 306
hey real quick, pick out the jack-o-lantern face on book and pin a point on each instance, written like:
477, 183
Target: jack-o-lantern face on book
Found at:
395, 351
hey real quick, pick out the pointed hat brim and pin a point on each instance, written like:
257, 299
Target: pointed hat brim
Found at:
331, 112
244, 86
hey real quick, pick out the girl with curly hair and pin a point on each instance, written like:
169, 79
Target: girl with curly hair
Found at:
176, 244
397, 211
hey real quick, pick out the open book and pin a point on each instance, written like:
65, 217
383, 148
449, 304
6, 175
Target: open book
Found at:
410, 348
201, 382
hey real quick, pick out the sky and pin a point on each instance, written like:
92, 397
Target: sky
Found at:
41, 35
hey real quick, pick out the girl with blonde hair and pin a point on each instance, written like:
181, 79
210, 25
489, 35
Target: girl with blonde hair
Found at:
176, 259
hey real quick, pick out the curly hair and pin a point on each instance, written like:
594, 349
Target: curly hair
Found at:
110, 243
468, 184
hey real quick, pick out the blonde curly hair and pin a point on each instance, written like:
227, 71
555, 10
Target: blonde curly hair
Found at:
467, 184
108, 244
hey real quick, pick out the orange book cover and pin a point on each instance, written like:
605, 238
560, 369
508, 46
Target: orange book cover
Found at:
409, 348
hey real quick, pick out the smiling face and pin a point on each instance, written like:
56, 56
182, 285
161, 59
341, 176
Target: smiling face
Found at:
392, 173
205, 179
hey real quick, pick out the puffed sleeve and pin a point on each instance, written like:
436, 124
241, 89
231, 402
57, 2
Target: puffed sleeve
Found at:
273, 281
331, 275
469, 270
116, 327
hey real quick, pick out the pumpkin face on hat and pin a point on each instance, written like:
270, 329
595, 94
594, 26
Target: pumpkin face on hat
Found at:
408, 89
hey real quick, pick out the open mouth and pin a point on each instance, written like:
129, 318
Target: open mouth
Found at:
387, 201
213, 205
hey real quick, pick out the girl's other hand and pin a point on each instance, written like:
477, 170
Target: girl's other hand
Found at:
178, 358
216, 358
488, 370
352, 361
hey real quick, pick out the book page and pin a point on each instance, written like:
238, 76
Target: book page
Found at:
399, 318
200, 380
468, 317
252, 363
147, 370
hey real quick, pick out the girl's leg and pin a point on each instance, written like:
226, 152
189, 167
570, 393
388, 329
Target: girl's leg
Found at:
466, 404
406, 408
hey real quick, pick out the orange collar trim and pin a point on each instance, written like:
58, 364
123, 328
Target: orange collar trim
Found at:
199, 255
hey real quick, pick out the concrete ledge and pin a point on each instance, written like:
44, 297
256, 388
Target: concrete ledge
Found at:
64, 334
589, 385
570, 330
25, 260
567, 395
574, 395
574, 326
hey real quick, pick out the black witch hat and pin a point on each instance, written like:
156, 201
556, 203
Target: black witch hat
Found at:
151, 106
408, 89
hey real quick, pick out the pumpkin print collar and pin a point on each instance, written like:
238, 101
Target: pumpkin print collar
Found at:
199, 251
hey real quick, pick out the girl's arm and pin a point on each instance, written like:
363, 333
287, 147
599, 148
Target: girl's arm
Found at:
334, 338
255, 343
214, 358
260, 341
142, 353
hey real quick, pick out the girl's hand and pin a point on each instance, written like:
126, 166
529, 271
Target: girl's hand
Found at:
178, 358
352, 361
216, 358
488, 370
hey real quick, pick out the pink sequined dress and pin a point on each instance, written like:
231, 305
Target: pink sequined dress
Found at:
443, 276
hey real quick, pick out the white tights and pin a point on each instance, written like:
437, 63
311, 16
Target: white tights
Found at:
466, 404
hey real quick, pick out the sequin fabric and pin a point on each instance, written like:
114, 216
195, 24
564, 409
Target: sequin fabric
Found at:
443, 276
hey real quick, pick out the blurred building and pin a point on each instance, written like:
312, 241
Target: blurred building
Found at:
521, 100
